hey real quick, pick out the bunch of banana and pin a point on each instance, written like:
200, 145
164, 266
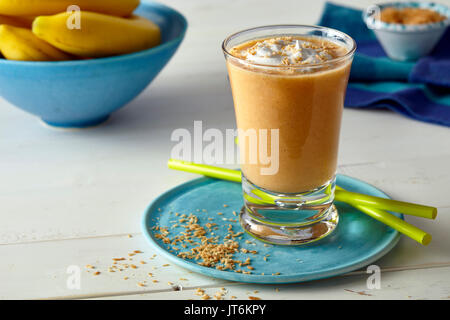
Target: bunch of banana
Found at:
104, 28
122, 8
100, 35
23, 22
22, 44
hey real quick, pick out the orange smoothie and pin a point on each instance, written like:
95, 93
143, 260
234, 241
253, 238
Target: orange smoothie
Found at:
296, 85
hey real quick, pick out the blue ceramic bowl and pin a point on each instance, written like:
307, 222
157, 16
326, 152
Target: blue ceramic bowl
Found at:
407, 42
76, 94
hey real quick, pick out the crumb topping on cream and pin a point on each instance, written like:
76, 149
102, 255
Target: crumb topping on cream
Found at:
287, 51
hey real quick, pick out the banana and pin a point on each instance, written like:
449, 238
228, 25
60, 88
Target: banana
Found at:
22, 44
99, 35
121, 8
23, 22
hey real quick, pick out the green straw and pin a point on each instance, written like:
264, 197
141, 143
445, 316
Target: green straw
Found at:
372, 206
396, 223
209, 171
340, 194
411, 209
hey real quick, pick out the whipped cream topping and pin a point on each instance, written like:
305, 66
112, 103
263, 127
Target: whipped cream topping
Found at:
286, 51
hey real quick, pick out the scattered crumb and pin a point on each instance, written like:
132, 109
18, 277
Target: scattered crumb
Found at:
177, 288
199, 292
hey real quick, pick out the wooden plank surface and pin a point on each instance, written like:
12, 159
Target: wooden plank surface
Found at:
404, 285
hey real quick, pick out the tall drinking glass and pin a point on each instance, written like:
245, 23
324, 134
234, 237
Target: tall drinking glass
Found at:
288, 84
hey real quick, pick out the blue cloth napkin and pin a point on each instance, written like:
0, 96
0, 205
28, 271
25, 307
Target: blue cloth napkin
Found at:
420, 90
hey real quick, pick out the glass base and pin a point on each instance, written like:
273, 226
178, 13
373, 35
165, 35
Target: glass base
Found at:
290, 235
289, 219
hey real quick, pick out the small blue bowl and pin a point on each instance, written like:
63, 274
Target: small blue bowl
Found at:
83, 93
407, 42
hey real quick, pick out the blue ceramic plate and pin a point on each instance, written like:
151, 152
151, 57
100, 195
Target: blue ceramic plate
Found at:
357, 241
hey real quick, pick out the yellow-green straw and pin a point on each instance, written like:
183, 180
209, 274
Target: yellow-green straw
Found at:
370, 205
206, 170
396, 223
411, 209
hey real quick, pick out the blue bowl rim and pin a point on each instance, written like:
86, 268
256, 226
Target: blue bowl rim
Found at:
119, 58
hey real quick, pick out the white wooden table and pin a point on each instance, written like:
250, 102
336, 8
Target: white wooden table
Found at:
71, 198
